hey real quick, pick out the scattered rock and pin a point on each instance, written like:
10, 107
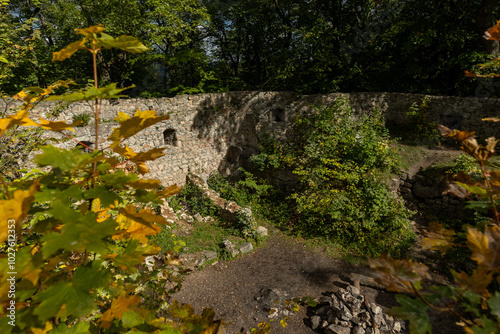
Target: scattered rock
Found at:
229, 246
315, 321
261, 231
209, 255
198, 218
247, 247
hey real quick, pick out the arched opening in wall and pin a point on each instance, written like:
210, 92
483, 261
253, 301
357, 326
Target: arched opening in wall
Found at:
278, 115
170, 137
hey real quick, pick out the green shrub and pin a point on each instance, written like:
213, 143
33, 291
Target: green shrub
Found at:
425, 131
83, 118
342, 164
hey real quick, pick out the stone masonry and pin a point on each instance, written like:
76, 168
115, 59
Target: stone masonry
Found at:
211, 132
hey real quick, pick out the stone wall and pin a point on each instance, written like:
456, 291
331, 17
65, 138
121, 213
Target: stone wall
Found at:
211, 132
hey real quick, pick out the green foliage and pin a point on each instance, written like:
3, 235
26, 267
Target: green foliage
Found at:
424, 130
474, 297
342, 163
78, 238
191, 199
83, 118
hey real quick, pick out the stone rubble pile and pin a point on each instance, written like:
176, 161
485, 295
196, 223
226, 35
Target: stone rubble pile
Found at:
347, 312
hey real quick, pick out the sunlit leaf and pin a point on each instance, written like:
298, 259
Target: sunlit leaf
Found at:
138, 231
48, 327
119, 306
438, 238
485, 247
126, 43
492, 119
144, 216
20, 118
68, 51
57, 126
14, 211
170, 191
130, 126
90, 31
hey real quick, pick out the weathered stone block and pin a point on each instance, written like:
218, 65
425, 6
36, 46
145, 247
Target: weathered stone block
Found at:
247, 247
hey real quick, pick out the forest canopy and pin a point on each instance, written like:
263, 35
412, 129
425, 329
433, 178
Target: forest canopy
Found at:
306, 46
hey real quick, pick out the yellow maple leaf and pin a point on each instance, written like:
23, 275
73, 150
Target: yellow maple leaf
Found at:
170, 191
90, 31
48, 328
16, 209
144, 216
20, 118
68, 51
57, 126
485, 247
438, 238
130, 126
138, 231
119, 306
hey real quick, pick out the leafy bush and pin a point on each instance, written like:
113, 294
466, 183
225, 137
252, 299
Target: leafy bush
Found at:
424, 130
342, 163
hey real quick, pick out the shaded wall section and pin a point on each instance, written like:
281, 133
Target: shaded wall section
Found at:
211, 132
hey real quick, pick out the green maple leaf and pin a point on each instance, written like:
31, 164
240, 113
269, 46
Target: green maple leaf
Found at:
118, 179
76, 295
124, 42
106, 196
415, 311
494, 304
82, 235
131, 256
106, 92
131, 319
65, 160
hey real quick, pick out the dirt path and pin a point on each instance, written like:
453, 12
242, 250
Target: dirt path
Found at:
231, 287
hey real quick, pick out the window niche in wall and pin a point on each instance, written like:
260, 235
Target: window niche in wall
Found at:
170, 137
278, 115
